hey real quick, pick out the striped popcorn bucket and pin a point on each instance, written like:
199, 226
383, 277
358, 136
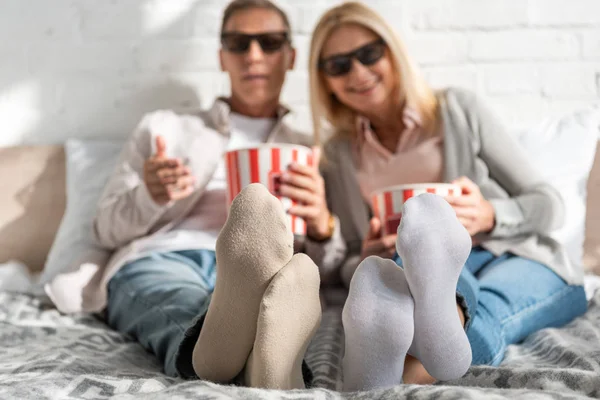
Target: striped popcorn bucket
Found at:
265, 164
388, 203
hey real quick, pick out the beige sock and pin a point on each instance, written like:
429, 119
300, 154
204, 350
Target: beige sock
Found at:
253, 246
290, 314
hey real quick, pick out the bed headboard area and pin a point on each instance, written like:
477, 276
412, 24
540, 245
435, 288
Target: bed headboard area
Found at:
591, 258
32, 202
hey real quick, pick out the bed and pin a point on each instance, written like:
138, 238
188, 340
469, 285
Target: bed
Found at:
47, 355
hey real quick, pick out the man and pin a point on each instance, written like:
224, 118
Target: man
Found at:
164, 209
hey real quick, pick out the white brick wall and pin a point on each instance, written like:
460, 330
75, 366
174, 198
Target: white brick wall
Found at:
79, 68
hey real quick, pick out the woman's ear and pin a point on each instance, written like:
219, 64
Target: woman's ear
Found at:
327, 86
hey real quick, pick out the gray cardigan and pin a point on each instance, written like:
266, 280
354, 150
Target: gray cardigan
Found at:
476, 146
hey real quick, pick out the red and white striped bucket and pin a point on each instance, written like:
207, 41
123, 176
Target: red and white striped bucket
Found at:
388, 203
265, 164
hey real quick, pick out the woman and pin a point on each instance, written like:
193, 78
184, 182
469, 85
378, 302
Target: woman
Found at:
390, 128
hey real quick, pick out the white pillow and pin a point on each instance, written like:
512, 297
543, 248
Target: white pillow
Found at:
564, 149
89, 164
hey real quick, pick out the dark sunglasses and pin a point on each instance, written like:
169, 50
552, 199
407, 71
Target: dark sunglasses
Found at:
341, 64
239, 43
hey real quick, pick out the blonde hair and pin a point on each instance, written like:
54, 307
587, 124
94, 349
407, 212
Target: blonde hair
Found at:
412, 91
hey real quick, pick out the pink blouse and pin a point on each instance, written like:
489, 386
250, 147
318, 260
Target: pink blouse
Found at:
417, 159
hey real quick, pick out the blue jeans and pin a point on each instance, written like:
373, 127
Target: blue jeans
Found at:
507, 298
161, 301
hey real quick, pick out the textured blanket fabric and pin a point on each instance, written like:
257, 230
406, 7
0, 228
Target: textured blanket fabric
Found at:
45, 355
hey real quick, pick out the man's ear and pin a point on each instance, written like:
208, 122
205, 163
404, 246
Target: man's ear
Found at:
221, 63
292, 61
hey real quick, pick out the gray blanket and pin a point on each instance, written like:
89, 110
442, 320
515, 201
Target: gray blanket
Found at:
45, 355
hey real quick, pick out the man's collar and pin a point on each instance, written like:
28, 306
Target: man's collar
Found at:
220, 110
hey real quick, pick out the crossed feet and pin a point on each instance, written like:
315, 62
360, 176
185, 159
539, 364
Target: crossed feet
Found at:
265, 307
392, 311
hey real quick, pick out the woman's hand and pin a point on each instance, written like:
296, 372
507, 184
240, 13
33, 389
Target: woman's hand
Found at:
377, 245
472, 209
305, 185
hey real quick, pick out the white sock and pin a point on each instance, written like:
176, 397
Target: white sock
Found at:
378, 325
434, 246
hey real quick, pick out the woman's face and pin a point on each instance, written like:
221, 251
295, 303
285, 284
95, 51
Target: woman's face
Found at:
369, 84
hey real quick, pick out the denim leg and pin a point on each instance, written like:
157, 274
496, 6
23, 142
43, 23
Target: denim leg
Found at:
517, 297
507, 298
479, 258
467, 287
157, 299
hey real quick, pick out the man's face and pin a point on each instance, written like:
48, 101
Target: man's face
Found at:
258, 73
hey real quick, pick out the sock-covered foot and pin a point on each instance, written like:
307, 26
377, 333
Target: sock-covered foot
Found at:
253, 246
434, 246
378, 326
290, 314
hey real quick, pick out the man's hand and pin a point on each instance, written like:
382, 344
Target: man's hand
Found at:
167, 179
305, 185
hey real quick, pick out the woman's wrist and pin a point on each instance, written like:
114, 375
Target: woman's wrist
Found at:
491, 217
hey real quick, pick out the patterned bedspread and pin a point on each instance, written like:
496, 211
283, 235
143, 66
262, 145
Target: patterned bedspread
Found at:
45, 355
